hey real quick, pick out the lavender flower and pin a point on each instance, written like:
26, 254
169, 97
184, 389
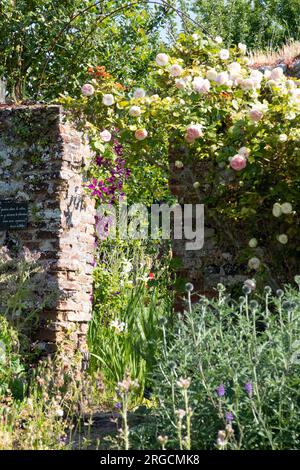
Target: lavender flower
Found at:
118, 406
249, 388
228, 416
220, 390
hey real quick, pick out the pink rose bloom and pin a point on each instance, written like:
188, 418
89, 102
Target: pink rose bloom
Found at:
139, 93
105, 135
193, 131
238, 162
141, 134
135, 111
222, 78
255, 114
276, 74
87, 89
176, 70
201, 85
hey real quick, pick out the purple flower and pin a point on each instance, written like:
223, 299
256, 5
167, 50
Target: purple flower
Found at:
118, 406
249, 388
118, 149
228, 416
220, 390
116, 174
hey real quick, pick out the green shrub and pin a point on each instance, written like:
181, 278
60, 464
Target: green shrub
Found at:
129, 303
12, 377
229, 375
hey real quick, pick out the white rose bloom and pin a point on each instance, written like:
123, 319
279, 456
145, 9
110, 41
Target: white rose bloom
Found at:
247, 84
176, 70
162, 59
283, 138
108, 99
242, 47
234, 68
252, 243
286, 208
257, 77
254, 263
234, 72
224, 54
105, 135
222, 78
180, 83
59, 412
212, 74
272, 83
139, 93
201, 85
135, 111
267, 74
218, 39
277, 211
283, 238
276, 74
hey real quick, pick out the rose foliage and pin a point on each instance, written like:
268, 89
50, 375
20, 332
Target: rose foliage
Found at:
207, 102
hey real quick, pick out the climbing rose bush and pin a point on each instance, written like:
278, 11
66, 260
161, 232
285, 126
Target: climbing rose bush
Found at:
207, 100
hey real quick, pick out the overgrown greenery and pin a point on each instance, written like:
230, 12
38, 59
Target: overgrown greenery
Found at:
132, 296
208, 105
46, 46
228, 375
225, 373
259, 24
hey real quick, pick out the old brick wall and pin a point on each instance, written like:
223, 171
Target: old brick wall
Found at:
218, 260
41, 161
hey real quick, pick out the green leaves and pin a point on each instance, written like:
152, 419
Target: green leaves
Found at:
45, 48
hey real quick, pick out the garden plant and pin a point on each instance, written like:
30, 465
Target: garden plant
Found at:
167, 367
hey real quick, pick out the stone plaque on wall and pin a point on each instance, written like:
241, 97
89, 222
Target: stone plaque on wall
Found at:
13, 215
